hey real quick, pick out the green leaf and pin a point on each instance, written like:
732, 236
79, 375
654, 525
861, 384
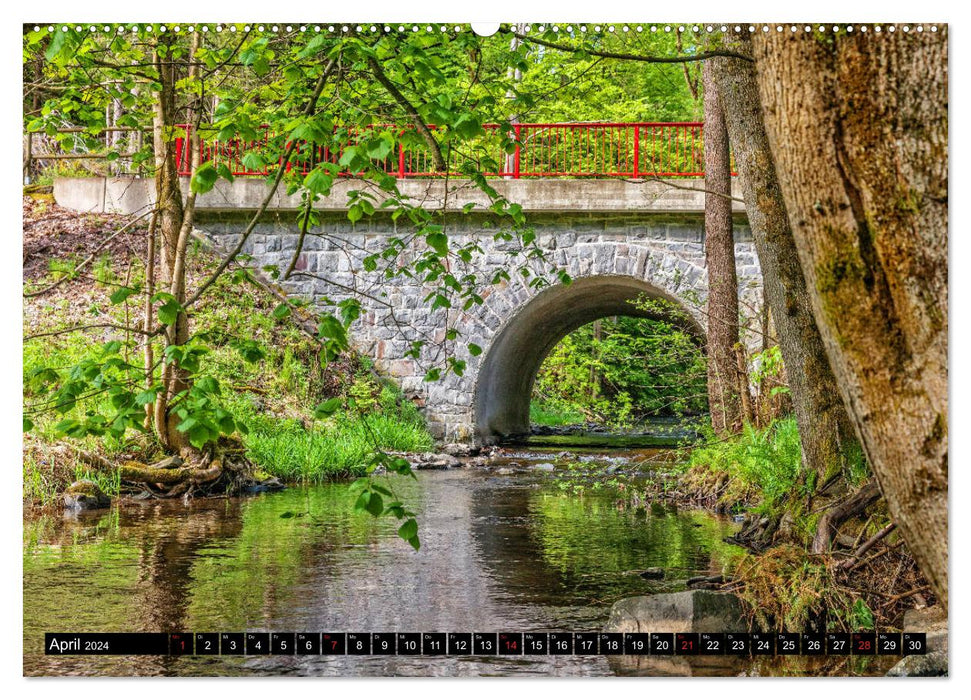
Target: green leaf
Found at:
122, 293
254, 161
28, 424
327, 408
250, 350
225, 172
375, 505
409, 529
168, 312
281, 311
204, 178
319, 181
474, 350
438, 242
350, 156
332, 329
415, 543
380, 148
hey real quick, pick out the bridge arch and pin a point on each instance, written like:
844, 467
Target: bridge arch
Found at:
506, 375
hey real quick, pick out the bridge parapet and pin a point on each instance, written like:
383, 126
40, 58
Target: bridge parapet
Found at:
129, 194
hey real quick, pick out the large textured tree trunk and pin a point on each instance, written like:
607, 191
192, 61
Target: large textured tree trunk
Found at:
857, 124
825, 430
724, 378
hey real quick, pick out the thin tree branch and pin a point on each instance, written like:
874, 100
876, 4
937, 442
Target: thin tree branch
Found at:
91, 257
308, 110
669, 183
303, 236
629, 56
62, 331
416, 119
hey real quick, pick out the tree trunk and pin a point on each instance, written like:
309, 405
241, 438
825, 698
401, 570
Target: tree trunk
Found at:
825, 431
857, 124
170, 220
724, 380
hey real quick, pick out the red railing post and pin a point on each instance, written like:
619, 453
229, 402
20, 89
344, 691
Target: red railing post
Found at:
401, 161
515, 159
179, 143
637, 149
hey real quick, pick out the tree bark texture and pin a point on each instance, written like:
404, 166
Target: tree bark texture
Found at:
857, 125
724, 379
170, 220
825, 430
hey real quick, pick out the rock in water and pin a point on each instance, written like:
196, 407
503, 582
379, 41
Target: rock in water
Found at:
271, 484
688, 611
655, 573
933, 664
932, 622
85, 495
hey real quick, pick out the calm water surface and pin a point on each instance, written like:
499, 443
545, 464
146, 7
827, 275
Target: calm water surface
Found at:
500, 552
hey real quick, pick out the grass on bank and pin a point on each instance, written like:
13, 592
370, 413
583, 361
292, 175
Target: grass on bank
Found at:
760, 464
274, 397
339, 447
760, 467
553, 415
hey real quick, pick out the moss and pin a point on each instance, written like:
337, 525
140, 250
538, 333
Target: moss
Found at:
833, 272
937, 434
909, 201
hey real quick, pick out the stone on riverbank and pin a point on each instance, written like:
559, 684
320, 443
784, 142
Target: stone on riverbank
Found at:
933, 622
85, 495
688, 611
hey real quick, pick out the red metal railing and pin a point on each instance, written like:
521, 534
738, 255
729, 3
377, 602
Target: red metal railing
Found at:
581, 150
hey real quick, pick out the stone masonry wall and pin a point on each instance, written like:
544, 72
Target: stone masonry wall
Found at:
665, 251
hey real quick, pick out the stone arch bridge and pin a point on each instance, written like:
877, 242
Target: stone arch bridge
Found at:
620, 241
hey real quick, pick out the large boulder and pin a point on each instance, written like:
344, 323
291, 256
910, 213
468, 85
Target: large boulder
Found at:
933, 622
688, 611
85, 495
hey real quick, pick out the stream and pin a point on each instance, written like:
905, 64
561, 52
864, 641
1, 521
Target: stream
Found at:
515, 545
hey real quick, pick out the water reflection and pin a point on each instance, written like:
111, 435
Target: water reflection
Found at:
498, 553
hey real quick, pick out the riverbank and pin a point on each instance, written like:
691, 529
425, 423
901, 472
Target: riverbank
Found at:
274, 397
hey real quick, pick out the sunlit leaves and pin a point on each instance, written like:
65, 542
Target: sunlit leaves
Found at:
380, 501
122, 293
170, 308
327, 408
204, 178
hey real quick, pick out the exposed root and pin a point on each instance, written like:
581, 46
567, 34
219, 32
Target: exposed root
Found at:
842, 511
222, 469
